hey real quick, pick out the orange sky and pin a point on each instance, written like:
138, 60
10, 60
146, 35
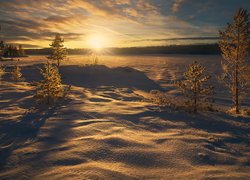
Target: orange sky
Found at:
117, 23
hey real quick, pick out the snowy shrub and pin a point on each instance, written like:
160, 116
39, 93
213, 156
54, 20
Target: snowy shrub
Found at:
165, 100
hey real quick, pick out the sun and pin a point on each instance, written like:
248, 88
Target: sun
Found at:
97, 42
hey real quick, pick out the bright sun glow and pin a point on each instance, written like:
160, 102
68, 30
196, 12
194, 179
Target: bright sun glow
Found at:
97, 42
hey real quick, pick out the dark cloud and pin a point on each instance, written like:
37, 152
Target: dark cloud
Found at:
30, 46
181, 38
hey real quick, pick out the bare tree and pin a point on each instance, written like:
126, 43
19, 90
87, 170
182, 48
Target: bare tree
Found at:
195, 87
234, 45
58, 50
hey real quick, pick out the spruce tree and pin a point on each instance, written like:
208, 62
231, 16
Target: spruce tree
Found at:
50, 88
58, 50
1, 45
234, 44
1, 48
16, 74
195, 87
15, 52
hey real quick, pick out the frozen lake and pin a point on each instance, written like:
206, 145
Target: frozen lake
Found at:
162, 69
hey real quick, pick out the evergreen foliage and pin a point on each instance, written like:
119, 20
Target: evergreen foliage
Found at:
58, 50
11, 50
21, 51
1, 48
234, 45
50, 88
195, 87
16, 74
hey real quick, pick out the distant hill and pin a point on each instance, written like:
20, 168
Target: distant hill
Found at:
172, 49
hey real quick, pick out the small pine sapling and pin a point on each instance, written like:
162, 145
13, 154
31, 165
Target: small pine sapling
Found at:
50, 88
16, 74
195, 88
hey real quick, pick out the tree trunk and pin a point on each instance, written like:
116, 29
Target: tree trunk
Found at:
236, 76
48, 89
236, 91
195, 104
195, 99
48, 100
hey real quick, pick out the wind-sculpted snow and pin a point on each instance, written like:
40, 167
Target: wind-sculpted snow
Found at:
106, 130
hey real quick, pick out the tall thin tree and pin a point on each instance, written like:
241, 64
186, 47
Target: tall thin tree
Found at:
234, 44
59, 52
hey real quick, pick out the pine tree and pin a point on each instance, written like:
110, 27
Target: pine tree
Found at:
50, 88
95, 59
234, 45
7, 51
1, 48
2, 72
1, 45
10, 51
58, 50
21, 50
16, 74
195, 87
15, 52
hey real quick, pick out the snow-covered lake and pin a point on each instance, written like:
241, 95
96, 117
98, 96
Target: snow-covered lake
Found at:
162, 69
105, 128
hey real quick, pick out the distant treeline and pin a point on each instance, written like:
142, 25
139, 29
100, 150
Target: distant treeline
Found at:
10, 50
172, 49
47, 51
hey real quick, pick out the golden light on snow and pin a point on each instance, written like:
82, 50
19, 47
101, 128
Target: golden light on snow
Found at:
98, 42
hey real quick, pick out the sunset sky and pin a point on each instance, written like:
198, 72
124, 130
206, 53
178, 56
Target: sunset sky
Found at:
115, 23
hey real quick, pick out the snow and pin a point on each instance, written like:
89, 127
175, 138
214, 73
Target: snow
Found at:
106, 130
